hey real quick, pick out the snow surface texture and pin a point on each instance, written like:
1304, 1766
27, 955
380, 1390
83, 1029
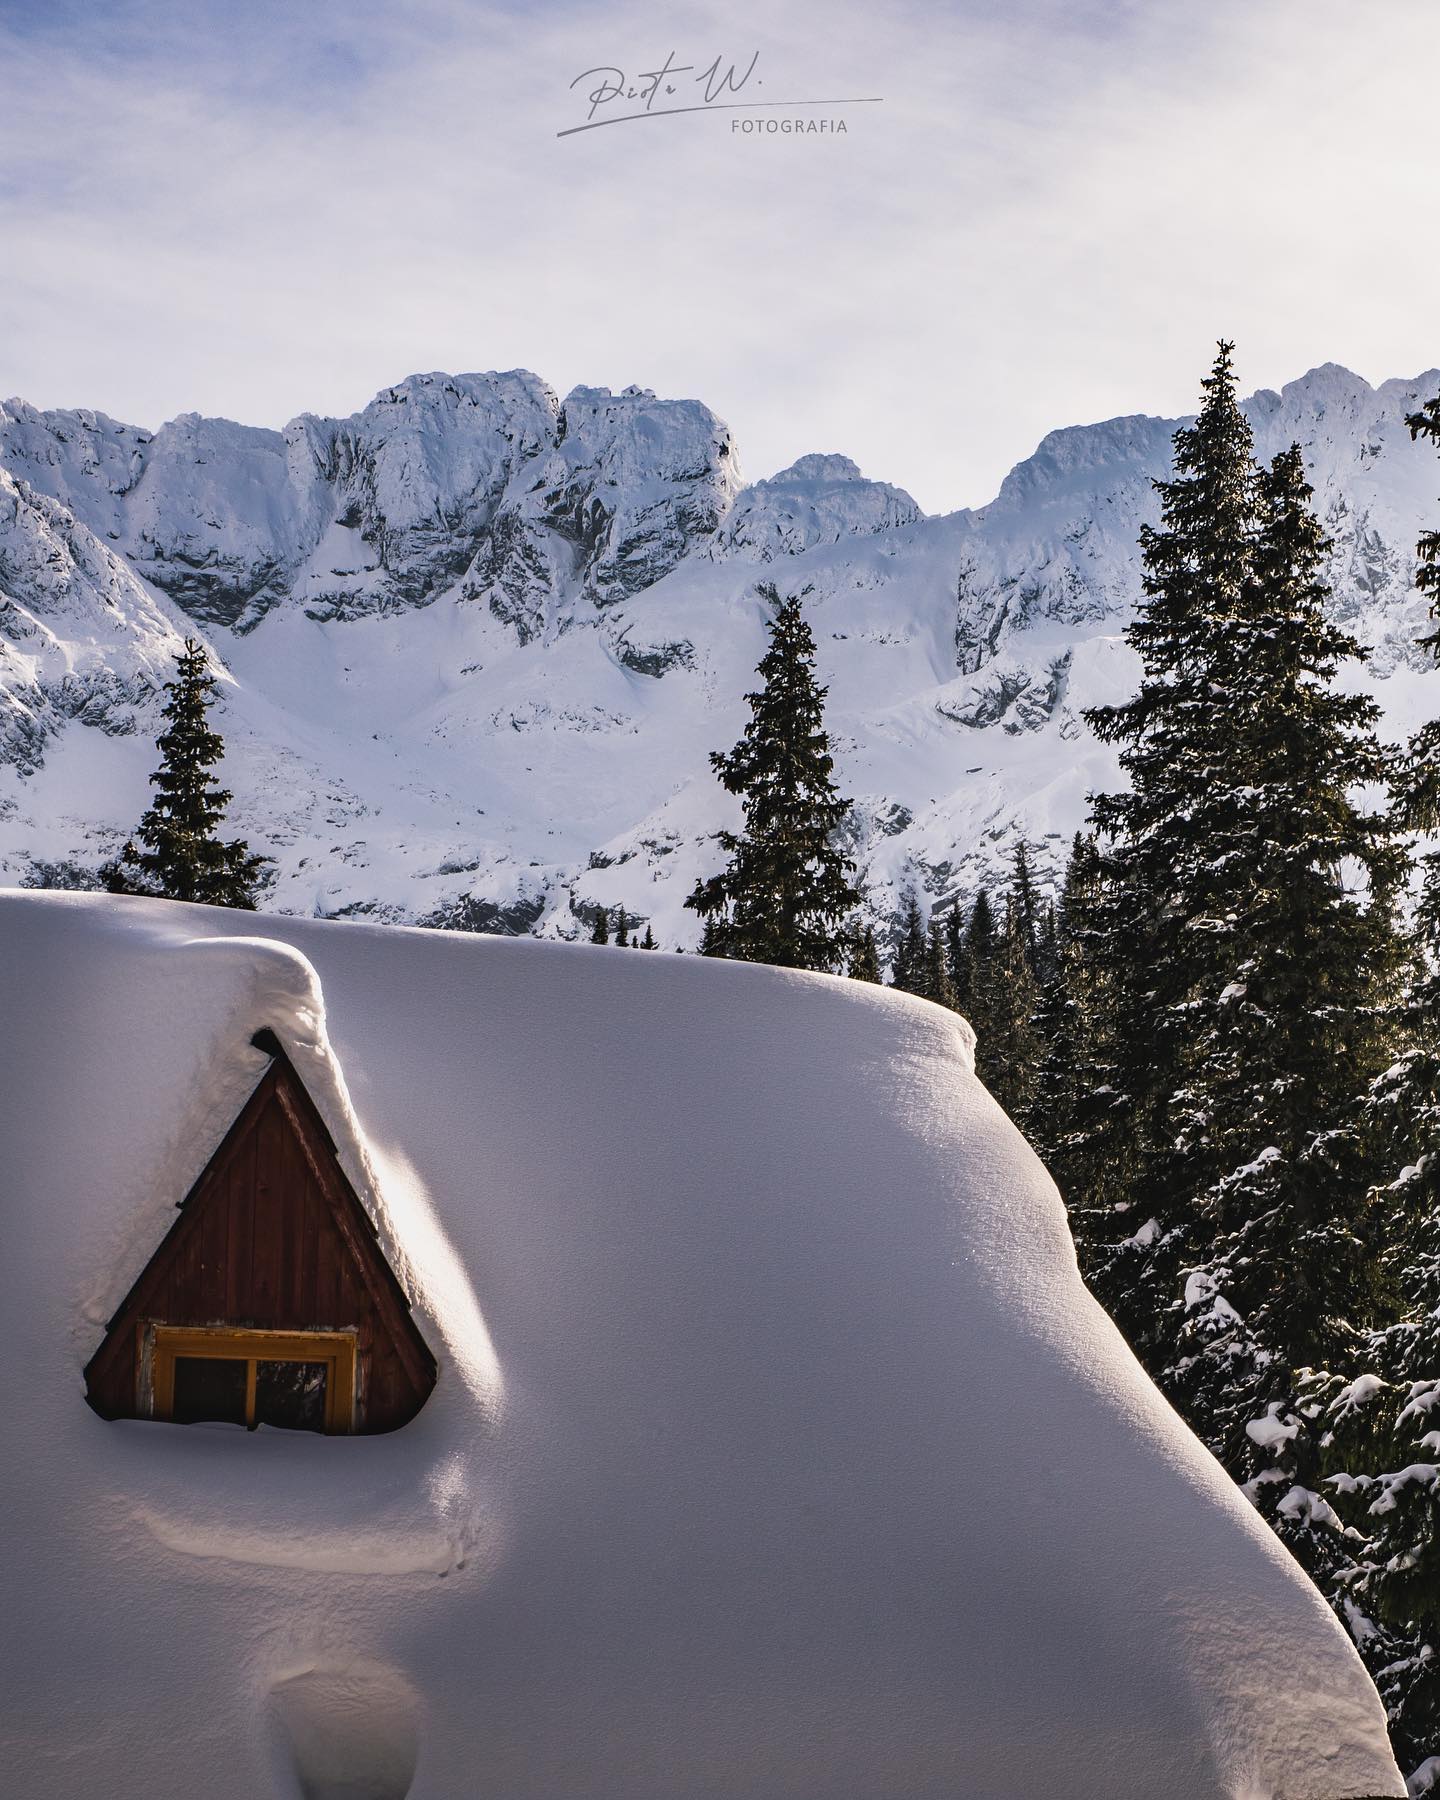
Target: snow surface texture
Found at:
777, 1449
478, 642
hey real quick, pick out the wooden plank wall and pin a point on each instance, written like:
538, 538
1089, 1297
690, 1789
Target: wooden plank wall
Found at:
273, 1237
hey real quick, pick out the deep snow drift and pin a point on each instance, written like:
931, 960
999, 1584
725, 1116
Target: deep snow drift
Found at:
480, 641
777, 1449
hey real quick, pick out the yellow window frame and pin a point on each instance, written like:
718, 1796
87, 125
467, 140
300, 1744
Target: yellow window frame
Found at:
336, 1349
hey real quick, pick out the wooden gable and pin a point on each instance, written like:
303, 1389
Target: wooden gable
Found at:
272, 1238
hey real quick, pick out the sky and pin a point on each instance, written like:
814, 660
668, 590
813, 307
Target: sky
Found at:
1049, 214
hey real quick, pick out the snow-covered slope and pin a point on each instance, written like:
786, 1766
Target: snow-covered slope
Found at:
777, 1448
479, 641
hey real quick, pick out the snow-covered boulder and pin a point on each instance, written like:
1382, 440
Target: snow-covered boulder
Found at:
777, 1448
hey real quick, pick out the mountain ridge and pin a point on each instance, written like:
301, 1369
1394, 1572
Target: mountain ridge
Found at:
477, 640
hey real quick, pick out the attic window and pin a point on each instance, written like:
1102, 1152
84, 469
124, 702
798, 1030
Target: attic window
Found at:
299, 1381
269, 1301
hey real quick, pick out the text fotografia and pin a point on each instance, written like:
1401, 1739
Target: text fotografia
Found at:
617, 98
787, 127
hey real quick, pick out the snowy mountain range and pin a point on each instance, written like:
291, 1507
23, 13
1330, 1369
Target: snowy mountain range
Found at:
477, 641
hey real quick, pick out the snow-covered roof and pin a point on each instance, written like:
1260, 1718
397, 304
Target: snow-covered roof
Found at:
777, 1448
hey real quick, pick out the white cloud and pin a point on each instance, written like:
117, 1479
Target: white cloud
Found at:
1053, 214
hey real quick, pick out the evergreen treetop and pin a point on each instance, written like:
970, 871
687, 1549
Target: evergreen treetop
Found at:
1007, 1047
785, 896
937, 986
908, 970
183, 856
1177, 739
1072, 1016
1288, 1004
865, 957
957, 956
1024, 900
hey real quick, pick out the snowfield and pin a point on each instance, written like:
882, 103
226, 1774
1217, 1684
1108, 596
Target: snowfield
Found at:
777, 1449
479, 641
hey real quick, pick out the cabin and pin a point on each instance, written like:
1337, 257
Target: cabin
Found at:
269, 1301
776, 1447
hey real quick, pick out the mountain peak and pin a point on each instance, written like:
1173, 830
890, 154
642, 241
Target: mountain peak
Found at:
817, 466
571, 627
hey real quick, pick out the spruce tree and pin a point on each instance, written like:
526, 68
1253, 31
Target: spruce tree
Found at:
864, 962
908, 970
1289, 1014
1230, 966
1376, 1423
600, 932
957, 957
622, 930
1163, 887
979, 953
1071, 1022
1025, 901
1377, 1430
937, 985
1047, 942
183, 857
648, 941
785, 895
1091, 1145
1008, 1054
1246, 908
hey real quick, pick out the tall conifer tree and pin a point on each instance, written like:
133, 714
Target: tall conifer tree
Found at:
864, 962
1246, 899
980, 936
183, 857
1288, 1011
957, 956
785, 896
1377, 1429
937, 984
908, 969
1072, 1019
1160, 874
1007, 1050
1024, 901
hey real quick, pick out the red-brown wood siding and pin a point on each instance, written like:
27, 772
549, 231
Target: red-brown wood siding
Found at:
272, 1236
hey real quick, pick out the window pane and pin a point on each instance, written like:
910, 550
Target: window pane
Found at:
291, 1394
209, 1387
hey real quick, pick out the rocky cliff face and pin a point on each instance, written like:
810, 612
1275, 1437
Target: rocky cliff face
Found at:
477, 641
818, 500
82, 641
485, 479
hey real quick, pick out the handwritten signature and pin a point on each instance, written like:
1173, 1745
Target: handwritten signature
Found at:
663, 83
